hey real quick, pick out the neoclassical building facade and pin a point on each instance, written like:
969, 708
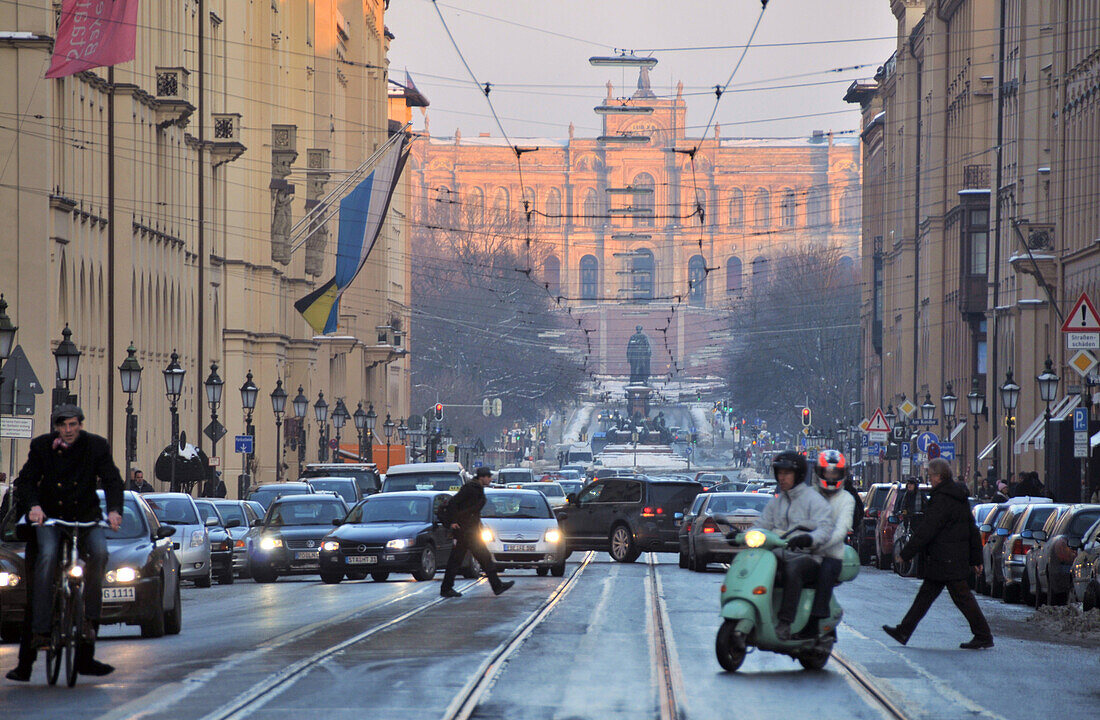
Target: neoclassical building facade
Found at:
648, 224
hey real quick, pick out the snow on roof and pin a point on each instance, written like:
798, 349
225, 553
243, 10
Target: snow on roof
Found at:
501, 142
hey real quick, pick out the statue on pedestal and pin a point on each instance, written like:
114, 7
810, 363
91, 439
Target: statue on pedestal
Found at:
638, 354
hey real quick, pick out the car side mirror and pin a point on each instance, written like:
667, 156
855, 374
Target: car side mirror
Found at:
873, 512
258, 522
893, 519
1039, 535
1026, 534
986, 528
1002, 532
678, 516
210, 522
164, 531
571, 498
235, 522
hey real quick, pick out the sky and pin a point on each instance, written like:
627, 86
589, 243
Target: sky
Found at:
535, 56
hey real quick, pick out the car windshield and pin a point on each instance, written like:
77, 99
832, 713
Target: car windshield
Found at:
571, 486
343, 488
515, 505
1081, 523
265, 495
423, 481
582, 456
382, 509
207, 510
133, 522
878, 499
719, 505
547, 489
174, 510
317, 512
231, 511
673, 496
1037, 517
367, 480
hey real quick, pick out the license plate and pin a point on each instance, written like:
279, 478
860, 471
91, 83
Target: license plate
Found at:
519, 548
362, 559
306, 555
118, 594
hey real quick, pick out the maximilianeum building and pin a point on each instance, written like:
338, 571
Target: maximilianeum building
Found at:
647, 225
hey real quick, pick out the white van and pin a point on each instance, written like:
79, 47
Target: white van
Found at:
425, 476
579, 455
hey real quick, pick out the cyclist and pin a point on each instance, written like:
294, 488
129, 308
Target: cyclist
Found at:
59, 480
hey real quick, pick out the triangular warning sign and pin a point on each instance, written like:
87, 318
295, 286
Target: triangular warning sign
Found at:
878, 422
1082, 318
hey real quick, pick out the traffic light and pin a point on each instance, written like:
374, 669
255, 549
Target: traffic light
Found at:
806, 421
439, 411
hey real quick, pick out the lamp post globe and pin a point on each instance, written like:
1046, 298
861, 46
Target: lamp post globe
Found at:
249, 393
301, 404
372, 418
975, 398
360, 417
173, 378
214, 386
339, 415
402, 431
950, 402
387, 428
1010, 392
7, 331
278, 399
927, 408
320, 412
320, 408
130, 371
67, 357
890, 415
1048, 383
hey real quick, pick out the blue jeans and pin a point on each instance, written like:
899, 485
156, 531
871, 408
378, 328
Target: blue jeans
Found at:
92, 546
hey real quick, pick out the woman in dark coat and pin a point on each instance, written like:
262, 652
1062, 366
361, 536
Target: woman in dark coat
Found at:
951, 546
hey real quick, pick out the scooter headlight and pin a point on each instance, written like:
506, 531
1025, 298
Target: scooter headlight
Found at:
754, 538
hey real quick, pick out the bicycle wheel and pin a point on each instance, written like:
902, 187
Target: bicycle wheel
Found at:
57, 636
74, 627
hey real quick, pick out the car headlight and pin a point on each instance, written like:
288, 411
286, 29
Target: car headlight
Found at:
400, 544
330, 546
754, 538
8, 579
270, 543
123, 575
198, 537
486, 535
553, 536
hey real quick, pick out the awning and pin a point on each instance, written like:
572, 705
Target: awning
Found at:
1094, 440
1025, 437
1035, 435
989, 448
957, 430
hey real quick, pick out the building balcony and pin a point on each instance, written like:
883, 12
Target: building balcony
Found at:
173, 107
226, 146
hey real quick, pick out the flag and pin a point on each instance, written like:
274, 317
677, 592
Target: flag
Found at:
93, 33
362, 213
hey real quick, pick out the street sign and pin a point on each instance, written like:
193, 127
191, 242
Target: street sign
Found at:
1080, 444
906, 465
243, 444
1083, 318
18, 370
1082, 362
947, 450
924, 439
877, 428
215, 431
1083, 341
907, 407
925, 423
215, 462
1080, 420
16, 428
332, 444
906, 451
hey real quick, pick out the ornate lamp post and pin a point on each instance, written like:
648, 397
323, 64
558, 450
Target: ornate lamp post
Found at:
320, 412
173, 388
7, 337
360, 418
339, 417
214, 386
249, 394
1048, 385
402, 436
130, 373
301, 407
1010, 397
950, 402
927, 408
976, 400
278, 406
372, 418
67, 358
387, 428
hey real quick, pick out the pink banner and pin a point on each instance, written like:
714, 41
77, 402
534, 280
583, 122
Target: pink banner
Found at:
93, 33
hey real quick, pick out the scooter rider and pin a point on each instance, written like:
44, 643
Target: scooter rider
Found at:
796, 505
831, 469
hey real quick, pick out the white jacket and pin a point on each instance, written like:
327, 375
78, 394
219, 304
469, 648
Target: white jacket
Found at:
843, 506
801, 506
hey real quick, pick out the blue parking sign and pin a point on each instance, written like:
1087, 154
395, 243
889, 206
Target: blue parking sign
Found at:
947, 450
242, 444
1080, 419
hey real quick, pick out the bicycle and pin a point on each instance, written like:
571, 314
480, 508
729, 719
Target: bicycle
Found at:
67, 624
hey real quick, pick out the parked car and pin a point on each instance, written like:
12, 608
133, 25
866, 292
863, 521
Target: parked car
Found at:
1085, 572
246, 513
424, 476
991, 551
685, 525
555, 493
520, 530
365, 475
515, 475
872, 506
1015, 549
720, 513
387, 533
1054, 558
571, 486
13, 591
627, 516
980, 510
345, 487
1030, 558
264, 494
191, 540
288, 540
888, 520
221, 544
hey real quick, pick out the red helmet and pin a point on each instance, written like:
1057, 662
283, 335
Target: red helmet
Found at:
831, 460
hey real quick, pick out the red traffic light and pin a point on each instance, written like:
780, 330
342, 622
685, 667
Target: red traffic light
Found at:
806, 416
439, 411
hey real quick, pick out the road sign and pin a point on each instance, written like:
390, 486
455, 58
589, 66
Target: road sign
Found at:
947, 450
1083, 318
877, 427
243, 444
924, 439
906, 465
215, 431
925, 423
1080, 444
1082, 362
18, 368
907, 407
1083, 341
332, 444
906, 451
16, 428
214, 462
1080, 420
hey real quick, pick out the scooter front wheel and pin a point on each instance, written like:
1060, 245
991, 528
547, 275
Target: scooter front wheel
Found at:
729, 646
815, 659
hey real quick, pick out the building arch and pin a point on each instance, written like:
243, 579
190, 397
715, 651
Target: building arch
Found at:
697, 281
788, 209
529, 206
590, 277
849, 207
817, 211
551, 274
553, 207
759, 273
736, 208
762, 208
500, 206
590, 209
734, 279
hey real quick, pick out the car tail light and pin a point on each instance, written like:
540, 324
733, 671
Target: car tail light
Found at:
710, 526
1063, 551
239, 543
1018, 547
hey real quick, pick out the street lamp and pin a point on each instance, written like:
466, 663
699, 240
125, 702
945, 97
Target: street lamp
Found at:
339, 416
1010, 397
387, 428
372, 418
950, 402
67, 358
130, 372
402, 436
927, 408
214, 386
7, 332
320, 412
1048, 385
976, 400
301, 407
890, 415
249, 394
360, 418
173, 388
278, 406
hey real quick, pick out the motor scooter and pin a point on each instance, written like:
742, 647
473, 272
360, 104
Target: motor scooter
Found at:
750, 604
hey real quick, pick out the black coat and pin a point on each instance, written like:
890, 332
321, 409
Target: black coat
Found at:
63, 481
1030, 486
946, 535
465, 507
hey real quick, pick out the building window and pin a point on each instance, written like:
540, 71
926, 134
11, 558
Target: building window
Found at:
500, 206
641, 272
590, 277
736, 208
697, 281
787, 210
591, 209
644, 201
979, 252
817, 216
475, 208
553, 207
849, 208
762, 209
733, 276
551, 274
759, 274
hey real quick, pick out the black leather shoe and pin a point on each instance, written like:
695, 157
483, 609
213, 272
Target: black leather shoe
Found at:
503, 586
450, 593
19, 674
895, 633
95, 668
976, 644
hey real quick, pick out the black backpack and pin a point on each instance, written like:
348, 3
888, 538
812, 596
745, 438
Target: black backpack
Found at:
857, 512
443, 511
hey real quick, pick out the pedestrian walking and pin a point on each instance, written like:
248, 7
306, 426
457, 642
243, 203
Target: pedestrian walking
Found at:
463, 516
138, 483
951, 546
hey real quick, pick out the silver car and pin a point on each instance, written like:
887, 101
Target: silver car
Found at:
245, 511
719, 514
191, 540
520, 531
1016, 546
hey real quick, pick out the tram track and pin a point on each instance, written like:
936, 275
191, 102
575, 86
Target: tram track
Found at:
667, 675
865, 685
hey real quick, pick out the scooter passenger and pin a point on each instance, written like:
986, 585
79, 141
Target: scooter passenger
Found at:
796, 505
831, 469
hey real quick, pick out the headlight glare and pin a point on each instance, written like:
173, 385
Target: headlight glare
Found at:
399, 544
270, 543
123, 575
76, 571
8, 579
486, 535
754, 538
553, 536
330, 546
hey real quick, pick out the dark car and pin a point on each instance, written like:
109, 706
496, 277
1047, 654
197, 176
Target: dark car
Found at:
719, 514
264, 494
1086, 570
627, 516
221, 543
1014, 549
246, 514
365, 474
288, 540
872, 506
388, 533
13, 591
1058, 550
890, 517
345, 487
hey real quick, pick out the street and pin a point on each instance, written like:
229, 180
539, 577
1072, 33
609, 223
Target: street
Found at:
584, 646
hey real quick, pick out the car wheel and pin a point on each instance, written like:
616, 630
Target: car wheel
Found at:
379, 576
621, 545
428, 565
332, 578
1054, 598
558, 570
542, 571
173, 619
261, 575
683, 559
204, 581
153, 627
357, 575
1091, 600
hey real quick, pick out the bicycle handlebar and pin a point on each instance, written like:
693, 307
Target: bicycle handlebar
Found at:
67, 523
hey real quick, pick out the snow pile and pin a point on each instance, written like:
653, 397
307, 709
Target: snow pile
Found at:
1067, 620
578, 423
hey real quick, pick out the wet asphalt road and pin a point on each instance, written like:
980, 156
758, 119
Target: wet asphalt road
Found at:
300, 648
